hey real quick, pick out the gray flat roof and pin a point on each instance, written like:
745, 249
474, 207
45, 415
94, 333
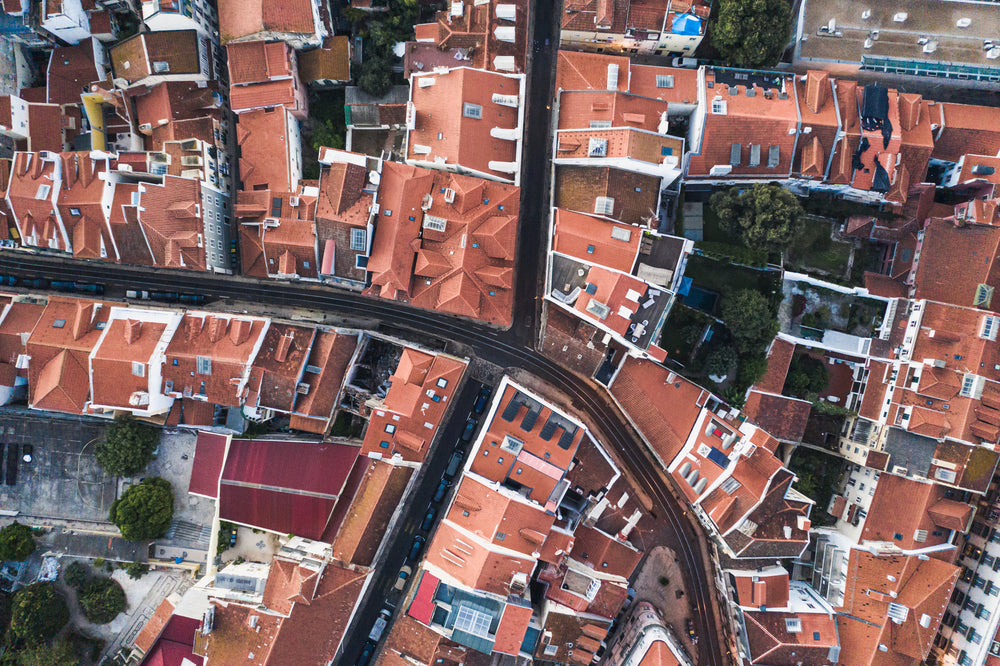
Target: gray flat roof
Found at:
933, 19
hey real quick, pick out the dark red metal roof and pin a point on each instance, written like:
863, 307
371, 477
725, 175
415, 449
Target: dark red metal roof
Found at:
209, 454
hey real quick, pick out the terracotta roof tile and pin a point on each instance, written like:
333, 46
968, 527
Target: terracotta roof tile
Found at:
465, 268
258, 61
133, 59
330, 62
783, 417
265, 159
664, 423
954, 261
965, 129
373, 506
239, 19
442, 127
636, 196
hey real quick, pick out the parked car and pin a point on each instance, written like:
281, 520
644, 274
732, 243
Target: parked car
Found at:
404, 575
482, 399
454, 465
470, 429
690, 629
428, 519
376, 631
689, 63
441, 491
416, 546
366, 654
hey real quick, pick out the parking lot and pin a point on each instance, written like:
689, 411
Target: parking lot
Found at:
63, 480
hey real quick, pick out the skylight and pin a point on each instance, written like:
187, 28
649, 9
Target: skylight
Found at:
472, 621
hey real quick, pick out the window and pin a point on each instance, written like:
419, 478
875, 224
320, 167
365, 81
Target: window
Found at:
176, 362
520, 469
384, 444
440, 136
500, 536
75, 212
204, 365
990, 326
472, 621
793, 625
968, 385
358, 238
138, 369
499, 460
590, 249
390, 428
470, 110
719, 106
59, 323
465, 513
442, 382
388, 213
597, 147
664, 81
815, 635
43, 191
600, 124
434, 222
622, 234
604, 206
897, 536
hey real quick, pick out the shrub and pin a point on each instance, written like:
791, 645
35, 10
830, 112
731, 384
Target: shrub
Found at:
39, 612
16, 542
128, 446
135, 570
76, 574
145, 510
101, 600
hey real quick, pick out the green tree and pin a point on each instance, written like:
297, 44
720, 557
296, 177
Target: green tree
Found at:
60, 653
719, 360
764, 217
326, 134
806, 376
101, 600
135, 570
128, 446
39, 612
76, 574
16, 542
749, 318
751, 33
144, 511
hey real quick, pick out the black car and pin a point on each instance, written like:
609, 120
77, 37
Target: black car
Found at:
441, 491
415, 548
366, 654
454, 465
470, 429
428, 519
482, 399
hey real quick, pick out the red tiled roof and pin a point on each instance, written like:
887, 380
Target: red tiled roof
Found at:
474, 33
965, 129
442, 126
902, 507
955, 260
664, 406
779, 357
579, 70
70, 72
169, 217
771, 643
265, 159
465, 269
781, 416
408, 418
209, 455
258, 61
240, 18
590, 239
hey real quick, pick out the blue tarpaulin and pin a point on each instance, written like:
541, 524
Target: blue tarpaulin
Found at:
686, 24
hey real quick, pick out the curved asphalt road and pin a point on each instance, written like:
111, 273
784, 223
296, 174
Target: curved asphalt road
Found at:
506, 348
494, 345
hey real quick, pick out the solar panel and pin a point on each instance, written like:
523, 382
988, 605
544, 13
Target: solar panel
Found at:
511, 410
718, 457
549, 428
566, 439
529, 420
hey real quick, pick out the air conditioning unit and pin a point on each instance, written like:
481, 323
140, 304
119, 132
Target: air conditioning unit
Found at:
302, 388
293, 201
449, 195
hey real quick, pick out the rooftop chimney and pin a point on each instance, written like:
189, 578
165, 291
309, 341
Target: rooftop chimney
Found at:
83, 318
240, 331
284, 346
217, 328
133, 329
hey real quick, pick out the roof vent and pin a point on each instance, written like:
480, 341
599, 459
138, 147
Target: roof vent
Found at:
963, 22
899, 17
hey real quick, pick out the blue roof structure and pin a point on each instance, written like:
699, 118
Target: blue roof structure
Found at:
686, 24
